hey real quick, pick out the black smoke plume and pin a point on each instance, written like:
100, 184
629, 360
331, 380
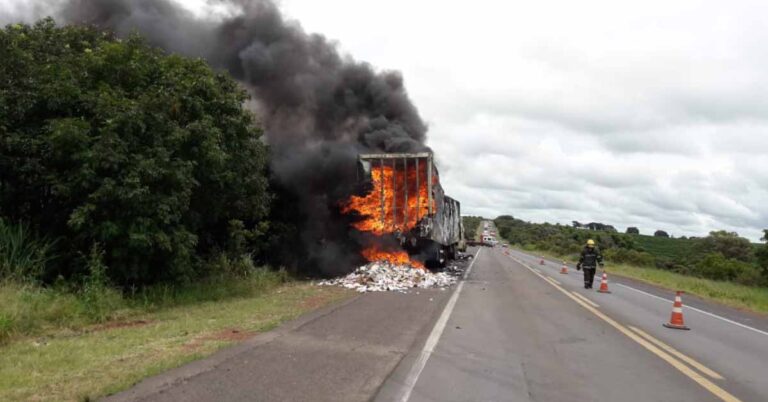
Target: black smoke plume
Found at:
318, 107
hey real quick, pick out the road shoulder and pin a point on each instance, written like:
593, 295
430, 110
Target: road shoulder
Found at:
341, 352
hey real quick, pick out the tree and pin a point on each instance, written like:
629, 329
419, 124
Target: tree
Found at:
633, 230
113, 142
762, 255
471, 225
599, 227
729, 244
661, 233
718, 267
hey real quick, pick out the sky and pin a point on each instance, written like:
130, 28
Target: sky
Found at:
649, 114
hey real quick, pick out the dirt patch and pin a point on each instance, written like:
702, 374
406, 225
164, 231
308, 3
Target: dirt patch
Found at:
227, 335
118, 324
233, 335
314, 302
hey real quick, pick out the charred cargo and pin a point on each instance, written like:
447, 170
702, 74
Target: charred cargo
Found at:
412, 205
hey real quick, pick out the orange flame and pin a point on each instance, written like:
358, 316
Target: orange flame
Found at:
386, 217
399, 257
384, 209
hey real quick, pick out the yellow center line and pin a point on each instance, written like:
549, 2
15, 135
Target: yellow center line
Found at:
554, 280
585, 299
704, 369
698, 378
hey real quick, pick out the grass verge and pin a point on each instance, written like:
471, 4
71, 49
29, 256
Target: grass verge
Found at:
728, 293
732, 294
81, 361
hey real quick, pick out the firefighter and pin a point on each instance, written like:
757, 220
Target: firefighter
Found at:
590, 258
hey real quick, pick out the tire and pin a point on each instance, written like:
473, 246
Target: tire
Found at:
452, 252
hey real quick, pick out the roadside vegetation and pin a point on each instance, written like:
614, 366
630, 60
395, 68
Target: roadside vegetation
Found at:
722, 265
752, 298
137, 222
116, 152
471, 226
68, 361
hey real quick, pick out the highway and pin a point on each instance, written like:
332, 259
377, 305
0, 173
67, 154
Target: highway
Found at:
521, 331
512, 330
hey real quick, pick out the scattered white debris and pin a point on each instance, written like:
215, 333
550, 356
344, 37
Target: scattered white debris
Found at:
382, 276
464, 256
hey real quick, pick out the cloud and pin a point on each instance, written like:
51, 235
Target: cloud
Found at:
648, 114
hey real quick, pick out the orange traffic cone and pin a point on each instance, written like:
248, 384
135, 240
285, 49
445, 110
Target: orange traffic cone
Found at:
676, 320
564, 269
541, 262
604, 284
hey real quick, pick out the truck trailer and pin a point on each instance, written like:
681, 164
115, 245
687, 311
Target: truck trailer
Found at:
411, 206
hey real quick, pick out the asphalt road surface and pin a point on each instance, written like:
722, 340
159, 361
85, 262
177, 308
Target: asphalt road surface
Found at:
514, 330
519, 332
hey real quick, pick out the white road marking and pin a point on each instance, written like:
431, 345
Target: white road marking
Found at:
697, 310
434, 337
680, 366
689, 307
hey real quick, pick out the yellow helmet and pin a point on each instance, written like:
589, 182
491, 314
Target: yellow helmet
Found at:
590, 243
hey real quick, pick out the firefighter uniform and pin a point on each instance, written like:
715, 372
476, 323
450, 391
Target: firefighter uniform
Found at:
590, 258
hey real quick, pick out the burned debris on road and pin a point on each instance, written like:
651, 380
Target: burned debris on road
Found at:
382, 276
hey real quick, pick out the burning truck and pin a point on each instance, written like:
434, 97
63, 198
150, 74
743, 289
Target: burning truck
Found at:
400, 198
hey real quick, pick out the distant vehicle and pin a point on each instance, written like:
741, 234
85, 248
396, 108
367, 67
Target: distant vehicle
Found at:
505, 245
489, 241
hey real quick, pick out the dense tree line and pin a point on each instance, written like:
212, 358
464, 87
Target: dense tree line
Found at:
721, 255
471, 223
112, 148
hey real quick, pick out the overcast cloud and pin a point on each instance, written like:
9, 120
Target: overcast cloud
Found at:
650, 114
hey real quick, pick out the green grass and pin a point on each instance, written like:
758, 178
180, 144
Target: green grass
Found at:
732, 294
740, 296
673, 249
61, 356
28, 309
22, 255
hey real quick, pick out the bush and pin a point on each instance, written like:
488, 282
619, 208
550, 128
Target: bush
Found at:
729, 244
113, 142
97, 299
761, 255
471, 225
718, 267
751, 276
632, 257
22, 255
28, 309
6, 326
